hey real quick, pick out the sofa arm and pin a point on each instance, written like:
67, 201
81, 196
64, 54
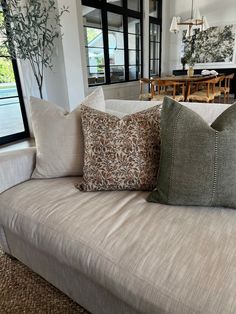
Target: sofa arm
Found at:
16, 167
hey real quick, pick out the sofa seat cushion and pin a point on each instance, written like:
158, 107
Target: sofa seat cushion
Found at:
156, 258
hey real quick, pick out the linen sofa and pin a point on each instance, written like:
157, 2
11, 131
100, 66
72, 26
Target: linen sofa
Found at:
113, 252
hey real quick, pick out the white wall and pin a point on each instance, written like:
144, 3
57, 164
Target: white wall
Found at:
165, 55
55, 81
74, 54
218, 12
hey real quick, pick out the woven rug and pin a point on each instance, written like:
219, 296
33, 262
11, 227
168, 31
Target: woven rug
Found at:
23, 291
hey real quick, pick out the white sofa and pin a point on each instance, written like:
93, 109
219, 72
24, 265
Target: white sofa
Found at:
113, 252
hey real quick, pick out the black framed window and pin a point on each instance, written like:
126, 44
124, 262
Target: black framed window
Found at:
155, 29
13, 121
113, 40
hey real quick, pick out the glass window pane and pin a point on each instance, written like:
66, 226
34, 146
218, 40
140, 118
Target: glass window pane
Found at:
153, 8
7, 79
96, 70
115, 22
134, 57
134, 5
95, 56
96, 76
93, 37
134, 42
118, 2
134, 72
154, 50
11, 121
154, 32
117, 73
92, 17
117, 57
100, 80
116, 40
133, 26
91, 79
154, 67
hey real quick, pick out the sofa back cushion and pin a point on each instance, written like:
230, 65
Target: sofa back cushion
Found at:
120, 154
198, 161
120, 108
59, 138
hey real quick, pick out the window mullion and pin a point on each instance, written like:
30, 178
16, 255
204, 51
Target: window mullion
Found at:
106, 46
141, 32
126, 46
126, 40
20, 95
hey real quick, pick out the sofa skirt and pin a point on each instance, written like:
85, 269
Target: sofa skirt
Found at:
74, 284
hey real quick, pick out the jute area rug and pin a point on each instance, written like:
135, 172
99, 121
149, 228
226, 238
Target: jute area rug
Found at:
24, 292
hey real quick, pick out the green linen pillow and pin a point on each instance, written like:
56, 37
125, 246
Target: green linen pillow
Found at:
198, 161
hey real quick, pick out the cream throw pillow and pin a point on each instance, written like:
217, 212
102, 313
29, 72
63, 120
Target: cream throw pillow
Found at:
59, 138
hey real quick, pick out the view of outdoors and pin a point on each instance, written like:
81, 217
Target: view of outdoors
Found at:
94, 45
11, 121
94, 39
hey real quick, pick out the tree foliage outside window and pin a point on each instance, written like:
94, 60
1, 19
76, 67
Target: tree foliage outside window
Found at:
29, 31
6, 73
92, 33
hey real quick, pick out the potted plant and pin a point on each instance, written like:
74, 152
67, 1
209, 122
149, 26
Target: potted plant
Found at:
29, 30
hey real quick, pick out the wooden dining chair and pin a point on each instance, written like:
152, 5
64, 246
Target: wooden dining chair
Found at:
219, 86
225, 86
207, 94
144, 89
162, 88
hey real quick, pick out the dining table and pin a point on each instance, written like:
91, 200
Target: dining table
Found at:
186, 79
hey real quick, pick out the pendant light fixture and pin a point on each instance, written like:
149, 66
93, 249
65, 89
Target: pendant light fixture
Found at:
196, 20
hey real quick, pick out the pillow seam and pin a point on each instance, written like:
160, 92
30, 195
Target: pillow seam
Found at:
172, 152
215, 173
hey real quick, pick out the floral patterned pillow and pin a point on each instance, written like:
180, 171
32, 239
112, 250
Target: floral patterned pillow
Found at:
120, 154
